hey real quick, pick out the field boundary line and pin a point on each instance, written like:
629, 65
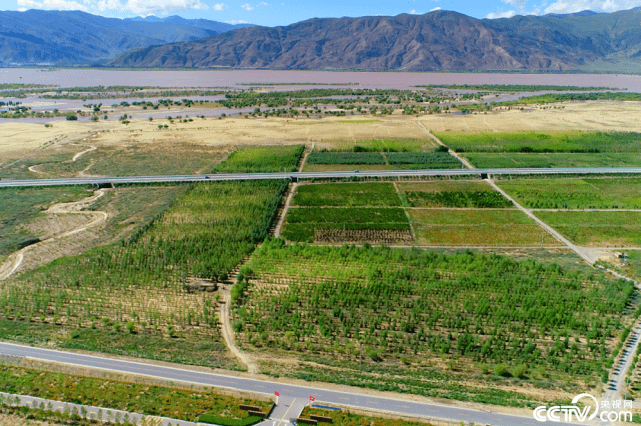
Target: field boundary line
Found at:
449, 150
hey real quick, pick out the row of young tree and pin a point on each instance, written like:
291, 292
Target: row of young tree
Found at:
488, 308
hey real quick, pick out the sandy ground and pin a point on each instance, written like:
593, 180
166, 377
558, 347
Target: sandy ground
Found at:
601, 115
20, 140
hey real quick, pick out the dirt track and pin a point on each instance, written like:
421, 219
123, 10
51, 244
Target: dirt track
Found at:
15, 260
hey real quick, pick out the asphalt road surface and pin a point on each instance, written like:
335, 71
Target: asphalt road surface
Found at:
288, 393
304, 175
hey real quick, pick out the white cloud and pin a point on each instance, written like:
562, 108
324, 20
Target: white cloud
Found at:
108, 4
435, 9
219, 6
247, 7
154, 7
501, 14
262, 3
234, 22
564, 6
138, 7
51, 5
413, 12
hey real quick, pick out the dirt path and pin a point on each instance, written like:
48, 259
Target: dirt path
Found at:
80, 154
438, 141
228, 333
13, 262
281, 218
34, 169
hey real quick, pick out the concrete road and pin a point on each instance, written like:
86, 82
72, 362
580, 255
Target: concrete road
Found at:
302, 175
291, 396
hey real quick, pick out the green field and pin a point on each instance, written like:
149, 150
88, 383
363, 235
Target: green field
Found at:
546, 160
452, 194
543, 142
262, 159
478, 228
381, 145
19, 206
301, 223
111, 394
583, 193
130, 298
422, 160
340, 158
393, 160
597, 229
347, 195
422, 322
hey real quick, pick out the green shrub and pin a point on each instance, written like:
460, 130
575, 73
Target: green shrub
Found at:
226, 421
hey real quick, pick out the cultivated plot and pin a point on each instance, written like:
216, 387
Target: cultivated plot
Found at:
576, 193
546, 149
548, 160
360, 194
384, 154
429, 323
133, 298
478, 228
597, 229
262, 159
465, 194
568, 141
336, 225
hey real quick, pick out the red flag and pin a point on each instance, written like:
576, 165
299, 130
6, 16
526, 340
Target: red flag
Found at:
276, 393
311, 398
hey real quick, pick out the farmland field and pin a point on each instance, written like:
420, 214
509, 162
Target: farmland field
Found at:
379, 155
428, 323
341, 158
478, 228
547, 160
422, 160
262, 159
145, 307
568, 141
597, 229
452, 194
347, 194
344, 167
379, 145
303, 223
585, 193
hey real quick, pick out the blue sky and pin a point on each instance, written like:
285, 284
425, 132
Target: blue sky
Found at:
284, 12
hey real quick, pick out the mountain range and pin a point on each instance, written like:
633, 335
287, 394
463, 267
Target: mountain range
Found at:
436, 41
79, 38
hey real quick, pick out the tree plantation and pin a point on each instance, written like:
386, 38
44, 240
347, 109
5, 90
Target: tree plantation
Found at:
490, 313
132, 297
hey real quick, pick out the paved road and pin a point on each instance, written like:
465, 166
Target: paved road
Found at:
302, 175
288, 392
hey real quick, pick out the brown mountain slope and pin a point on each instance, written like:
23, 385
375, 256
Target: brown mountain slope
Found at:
436, 41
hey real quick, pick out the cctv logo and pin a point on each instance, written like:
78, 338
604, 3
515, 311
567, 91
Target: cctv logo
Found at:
568, 413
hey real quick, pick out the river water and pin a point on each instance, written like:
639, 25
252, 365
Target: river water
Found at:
240, 78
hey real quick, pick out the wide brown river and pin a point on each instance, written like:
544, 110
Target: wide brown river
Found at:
240, 78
